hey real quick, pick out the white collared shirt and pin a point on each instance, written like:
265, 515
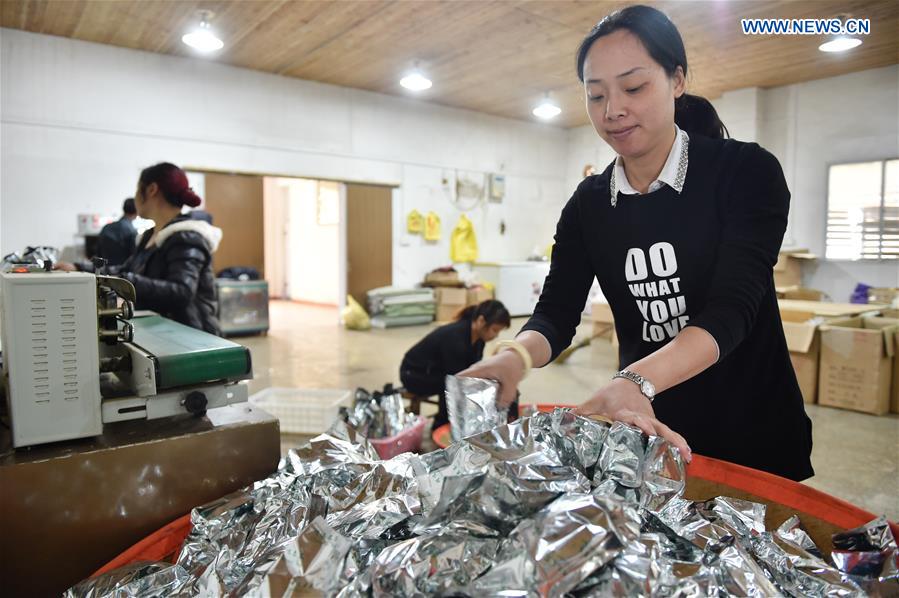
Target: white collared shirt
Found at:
673, 174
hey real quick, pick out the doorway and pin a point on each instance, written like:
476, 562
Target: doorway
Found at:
302, 239
314, 241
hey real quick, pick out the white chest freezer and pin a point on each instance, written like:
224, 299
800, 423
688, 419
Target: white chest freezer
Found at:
518, 284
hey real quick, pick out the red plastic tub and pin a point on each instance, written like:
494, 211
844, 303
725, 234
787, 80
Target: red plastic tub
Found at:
407, 440
162, 545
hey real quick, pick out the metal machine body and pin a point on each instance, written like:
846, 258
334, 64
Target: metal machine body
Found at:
74, 359
51, 356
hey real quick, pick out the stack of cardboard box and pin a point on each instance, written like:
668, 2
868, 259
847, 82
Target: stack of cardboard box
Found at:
603, 322
451, 294
804, 343
450, 300
844, 357
788, 275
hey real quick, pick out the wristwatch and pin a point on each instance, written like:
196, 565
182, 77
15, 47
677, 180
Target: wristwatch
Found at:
646, 387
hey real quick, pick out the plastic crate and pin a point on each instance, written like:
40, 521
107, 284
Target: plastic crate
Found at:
303, 410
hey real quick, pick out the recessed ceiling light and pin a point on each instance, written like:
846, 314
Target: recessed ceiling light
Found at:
547, 109
840, 44
416, 81
202, 38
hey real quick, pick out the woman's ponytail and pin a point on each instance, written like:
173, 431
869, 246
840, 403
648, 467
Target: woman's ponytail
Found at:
695, 114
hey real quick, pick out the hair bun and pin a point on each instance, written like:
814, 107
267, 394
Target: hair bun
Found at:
190, 198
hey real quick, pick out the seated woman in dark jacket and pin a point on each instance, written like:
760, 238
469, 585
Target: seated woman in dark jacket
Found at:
451, 349
171, 268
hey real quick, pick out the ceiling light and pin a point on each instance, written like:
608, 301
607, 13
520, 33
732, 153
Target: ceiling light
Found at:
547, 109
840, 44
202, 38
416, 81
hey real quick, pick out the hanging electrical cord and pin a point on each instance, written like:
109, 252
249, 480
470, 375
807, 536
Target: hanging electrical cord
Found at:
467, 189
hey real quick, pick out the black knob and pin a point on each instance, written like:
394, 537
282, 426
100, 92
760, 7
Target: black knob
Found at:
195, 402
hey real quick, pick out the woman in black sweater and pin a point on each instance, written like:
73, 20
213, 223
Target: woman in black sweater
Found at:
682, 232
450, 349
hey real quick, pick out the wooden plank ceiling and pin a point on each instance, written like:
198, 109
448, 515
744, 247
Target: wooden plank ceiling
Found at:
497, 57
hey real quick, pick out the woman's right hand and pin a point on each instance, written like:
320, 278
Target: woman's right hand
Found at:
506, 368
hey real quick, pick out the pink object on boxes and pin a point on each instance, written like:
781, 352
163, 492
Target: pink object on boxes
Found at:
407, 440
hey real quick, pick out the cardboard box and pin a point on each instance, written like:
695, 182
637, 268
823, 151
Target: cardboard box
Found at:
826, 309
856, 368
477, 295
885, 295
449, 301
788, 269
894, 400
885, 322
800, 294
439, 278
894, 396
804, 343
603, 321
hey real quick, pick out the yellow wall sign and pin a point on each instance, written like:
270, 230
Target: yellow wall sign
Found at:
432, 227
415, 222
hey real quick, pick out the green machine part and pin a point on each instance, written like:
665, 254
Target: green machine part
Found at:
186, 356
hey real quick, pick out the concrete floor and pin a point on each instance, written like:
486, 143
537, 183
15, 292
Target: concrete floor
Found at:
856, 456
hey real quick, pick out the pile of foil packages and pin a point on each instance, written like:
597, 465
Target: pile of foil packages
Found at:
380, 414
550, 505
32, 256
471, 405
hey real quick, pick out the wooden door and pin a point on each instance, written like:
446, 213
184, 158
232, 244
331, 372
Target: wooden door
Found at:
369, 218
236, 204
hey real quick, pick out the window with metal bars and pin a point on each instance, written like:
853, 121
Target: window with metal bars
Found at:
863, 211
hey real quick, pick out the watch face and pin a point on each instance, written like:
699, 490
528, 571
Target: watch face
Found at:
648, 389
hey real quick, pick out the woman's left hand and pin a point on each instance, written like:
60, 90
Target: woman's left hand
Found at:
621, 400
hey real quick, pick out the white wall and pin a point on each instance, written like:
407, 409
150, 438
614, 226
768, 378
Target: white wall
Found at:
807, 126
585, 147
79, 120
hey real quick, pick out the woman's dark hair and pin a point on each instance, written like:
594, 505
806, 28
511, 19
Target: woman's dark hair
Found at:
172, 184
494, 312
693, 114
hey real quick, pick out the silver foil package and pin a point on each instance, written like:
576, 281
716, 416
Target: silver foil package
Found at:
550, 505
869, 556
380, 414
559, 547
472, 407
